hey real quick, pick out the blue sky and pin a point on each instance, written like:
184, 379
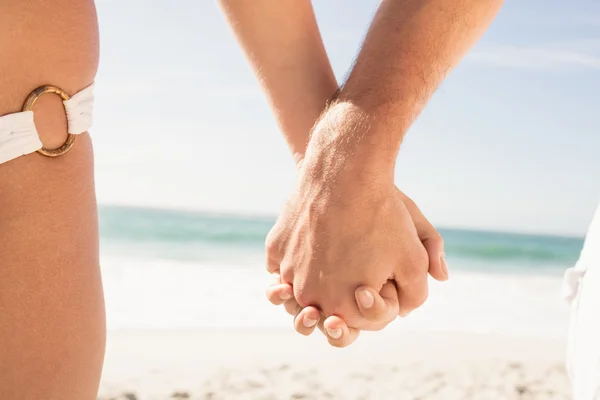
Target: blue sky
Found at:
509, 142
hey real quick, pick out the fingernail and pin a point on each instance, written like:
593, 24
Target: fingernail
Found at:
309, 322
334, 333
285, 296
444, 264
366, 299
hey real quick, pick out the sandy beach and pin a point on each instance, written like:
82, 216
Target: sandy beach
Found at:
276, 363
496, 330
174, 334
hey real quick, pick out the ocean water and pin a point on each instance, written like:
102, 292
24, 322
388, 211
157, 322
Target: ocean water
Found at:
172, 269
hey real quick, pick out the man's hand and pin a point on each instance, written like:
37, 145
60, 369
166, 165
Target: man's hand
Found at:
346, 226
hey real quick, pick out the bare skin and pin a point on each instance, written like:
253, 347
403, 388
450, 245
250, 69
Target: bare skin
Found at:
288, 56
287, 53
51, 305
347, 172
379, 309
52, 324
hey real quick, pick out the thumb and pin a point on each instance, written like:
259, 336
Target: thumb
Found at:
431, 239
379, 308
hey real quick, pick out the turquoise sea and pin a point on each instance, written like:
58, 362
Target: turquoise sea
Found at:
195, 236
167, 268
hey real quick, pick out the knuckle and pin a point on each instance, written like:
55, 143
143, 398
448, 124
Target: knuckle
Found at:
412, 274
303, 298
415, 270
407, 200
306, 291
272, 266
436, 237
438, 240
272, 246
286, 272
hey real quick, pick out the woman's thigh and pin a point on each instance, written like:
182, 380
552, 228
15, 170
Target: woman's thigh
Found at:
52, 328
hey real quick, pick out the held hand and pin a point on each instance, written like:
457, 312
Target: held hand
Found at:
346, 226
381, 310
331, 240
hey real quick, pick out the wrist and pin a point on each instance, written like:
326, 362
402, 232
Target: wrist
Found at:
343, 164
346, 139
298, 147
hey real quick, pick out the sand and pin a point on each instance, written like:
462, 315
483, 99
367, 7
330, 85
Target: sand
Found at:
274, 363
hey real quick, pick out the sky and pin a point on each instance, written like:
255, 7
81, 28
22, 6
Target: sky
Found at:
510, 141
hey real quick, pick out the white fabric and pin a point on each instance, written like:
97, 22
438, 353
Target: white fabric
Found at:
19, 136
571, 283
80, 109
582, 286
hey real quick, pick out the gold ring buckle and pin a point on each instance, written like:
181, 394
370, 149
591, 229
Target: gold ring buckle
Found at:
28, 106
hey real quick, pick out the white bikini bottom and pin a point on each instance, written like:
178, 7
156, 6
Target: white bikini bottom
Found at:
19, 136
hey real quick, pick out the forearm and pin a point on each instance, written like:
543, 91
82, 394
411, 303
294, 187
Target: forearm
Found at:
282, 42
409, 49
